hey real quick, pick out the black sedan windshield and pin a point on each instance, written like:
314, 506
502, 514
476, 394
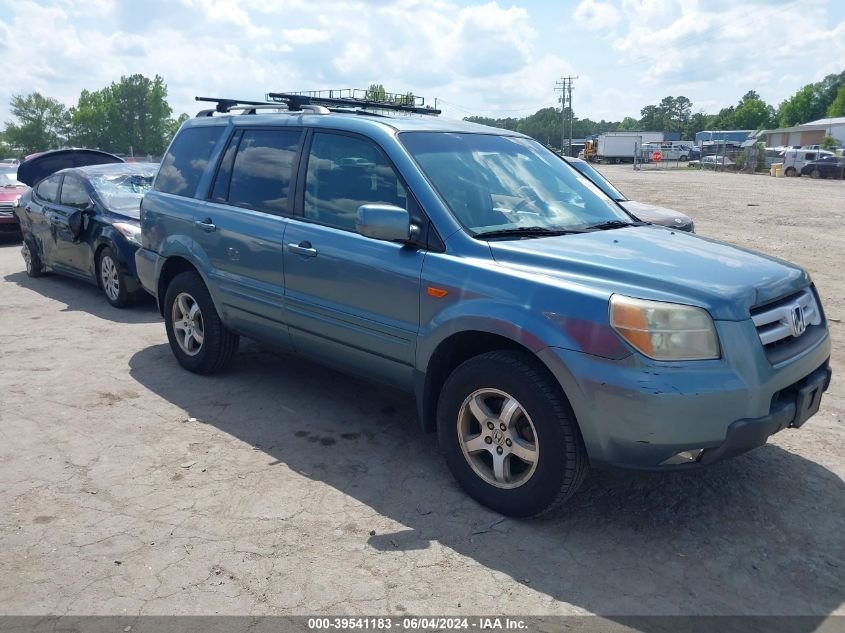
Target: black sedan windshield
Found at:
122, 191
501, 183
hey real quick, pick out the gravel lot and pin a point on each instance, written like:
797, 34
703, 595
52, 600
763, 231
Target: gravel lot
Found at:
129, 486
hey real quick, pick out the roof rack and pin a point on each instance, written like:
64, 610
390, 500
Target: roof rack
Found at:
226, 106
352, 98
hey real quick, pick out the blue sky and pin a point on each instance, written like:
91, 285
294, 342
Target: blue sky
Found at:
492, 58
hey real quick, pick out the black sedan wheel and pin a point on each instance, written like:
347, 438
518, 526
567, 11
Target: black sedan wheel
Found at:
815, 174
34, 267
112, 280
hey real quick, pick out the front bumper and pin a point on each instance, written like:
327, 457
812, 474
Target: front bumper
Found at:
638, 414
9, 224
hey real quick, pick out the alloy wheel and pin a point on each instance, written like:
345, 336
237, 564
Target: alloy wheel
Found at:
110, 277
497, 438
188, 326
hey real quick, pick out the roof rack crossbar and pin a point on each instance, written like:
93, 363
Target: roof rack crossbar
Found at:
249, 107
297, 101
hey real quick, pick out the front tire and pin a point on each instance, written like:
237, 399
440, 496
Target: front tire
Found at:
790, 172
815, 174
197, 336
509, 435
112, 280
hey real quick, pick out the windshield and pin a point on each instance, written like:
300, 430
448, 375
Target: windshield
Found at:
498, 183
597, 179
122, 192
10, 179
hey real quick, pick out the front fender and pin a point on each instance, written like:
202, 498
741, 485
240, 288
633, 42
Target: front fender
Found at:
184, 247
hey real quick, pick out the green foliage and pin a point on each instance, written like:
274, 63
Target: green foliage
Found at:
753, 113
837, 106
814, 101
42, 124
131, 115
376, 92
829, 143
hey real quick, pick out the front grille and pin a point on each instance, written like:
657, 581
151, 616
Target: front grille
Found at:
788, 326
7, 204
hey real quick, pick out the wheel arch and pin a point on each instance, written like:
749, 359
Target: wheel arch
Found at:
173, 266
449, 354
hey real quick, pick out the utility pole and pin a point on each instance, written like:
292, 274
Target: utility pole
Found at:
564, 84
561, 85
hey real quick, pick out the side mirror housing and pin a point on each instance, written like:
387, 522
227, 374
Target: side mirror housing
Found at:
384, 222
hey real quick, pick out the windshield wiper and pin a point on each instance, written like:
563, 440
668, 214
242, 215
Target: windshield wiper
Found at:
612, 224
526, 231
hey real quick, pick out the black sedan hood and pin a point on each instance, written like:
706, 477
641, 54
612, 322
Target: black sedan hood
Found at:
37, 168
659, 215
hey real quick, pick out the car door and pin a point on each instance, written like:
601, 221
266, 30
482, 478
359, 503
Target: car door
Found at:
352, 301
45, 195
241, 229
73, 251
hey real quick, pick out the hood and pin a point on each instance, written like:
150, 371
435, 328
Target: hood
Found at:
658, 215
35, 169
651, 262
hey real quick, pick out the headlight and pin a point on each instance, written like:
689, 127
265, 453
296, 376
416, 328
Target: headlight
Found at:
131, 232
17, 201
664, 331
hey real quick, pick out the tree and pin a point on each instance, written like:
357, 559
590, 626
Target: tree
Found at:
375, 92
800, 108
629, 124
837, 106
130, 116
753, 113
42, 123
829, 143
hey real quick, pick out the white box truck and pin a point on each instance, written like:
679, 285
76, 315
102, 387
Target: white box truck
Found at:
620, 147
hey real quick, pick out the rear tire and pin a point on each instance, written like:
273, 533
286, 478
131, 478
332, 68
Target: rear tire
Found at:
197, 336
532, 458
34, 267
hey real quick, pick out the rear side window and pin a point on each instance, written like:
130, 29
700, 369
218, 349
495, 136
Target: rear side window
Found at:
261, 172
186, 160
343, 173
74, 193
48, 189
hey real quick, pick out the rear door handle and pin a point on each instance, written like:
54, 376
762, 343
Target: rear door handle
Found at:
303, 248
206, 225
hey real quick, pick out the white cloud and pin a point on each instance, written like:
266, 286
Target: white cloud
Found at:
303, 37
596, 16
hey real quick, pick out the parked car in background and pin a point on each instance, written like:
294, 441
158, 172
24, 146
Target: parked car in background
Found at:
794, 159
827, 167
713, 162
641, 210
82, 220
540, 329
11, 190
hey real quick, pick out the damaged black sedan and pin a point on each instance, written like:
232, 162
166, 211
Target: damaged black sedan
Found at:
80, 218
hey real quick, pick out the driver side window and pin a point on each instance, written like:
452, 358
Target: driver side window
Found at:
344, 173
74, 193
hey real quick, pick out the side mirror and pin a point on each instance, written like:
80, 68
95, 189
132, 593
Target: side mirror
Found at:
78, 220
384, 222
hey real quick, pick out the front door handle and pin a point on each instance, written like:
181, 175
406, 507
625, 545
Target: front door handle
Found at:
206, 225
303, 248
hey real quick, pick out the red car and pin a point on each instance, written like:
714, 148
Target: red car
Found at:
10, 193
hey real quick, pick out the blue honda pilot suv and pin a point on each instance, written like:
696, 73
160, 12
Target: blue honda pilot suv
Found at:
541, 328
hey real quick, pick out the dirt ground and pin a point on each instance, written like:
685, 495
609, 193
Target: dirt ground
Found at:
129, 486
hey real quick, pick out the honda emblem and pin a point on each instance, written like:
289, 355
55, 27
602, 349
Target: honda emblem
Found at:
797, 321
